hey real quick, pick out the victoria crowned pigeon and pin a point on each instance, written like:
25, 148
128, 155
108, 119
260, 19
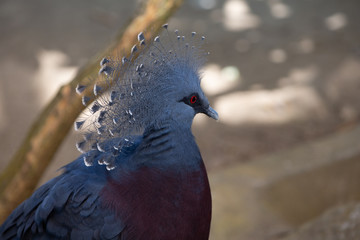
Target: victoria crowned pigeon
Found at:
140, 175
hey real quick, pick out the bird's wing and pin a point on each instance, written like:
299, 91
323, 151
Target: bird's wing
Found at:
66, 207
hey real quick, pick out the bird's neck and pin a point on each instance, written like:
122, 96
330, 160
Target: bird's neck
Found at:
169, 145
166, 193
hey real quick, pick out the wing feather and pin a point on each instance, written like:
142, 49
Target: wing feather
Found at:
68, 207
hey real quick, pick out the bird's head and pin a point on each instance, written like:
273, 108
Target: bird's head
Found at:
160, 82
171, 65
185, 98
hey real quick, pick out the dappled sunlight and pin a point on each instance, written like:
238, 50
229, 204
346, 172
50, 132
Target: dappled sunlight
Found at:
217, 80
200, 119
306, 45
342, 88
294, 100
304, 75
344, 80
52, 73
279, 106
277, 55
206, 4
278, 9
238, 16
336, 21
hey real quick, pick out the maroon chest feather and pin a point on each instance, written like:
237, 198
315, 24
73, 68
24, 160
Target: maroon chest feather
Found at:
159, 204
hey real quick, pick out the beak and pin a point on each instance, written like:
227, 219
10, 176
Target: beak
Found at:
212, 113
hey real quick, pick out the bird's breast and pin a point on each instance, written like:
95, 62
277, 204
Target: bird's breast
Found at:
160, 204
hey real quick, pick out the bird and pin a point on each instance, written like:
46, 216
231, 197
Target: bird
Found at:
140, 174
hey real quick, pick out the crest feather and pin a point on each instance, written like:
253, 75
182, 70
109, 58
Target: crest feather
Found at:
139, 83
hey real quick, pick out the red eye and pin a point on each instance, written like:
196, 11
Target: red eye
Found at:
193, 99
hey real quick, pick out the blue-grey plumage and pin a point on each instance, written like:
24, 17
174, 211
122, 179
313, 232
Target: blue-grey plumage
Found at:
140, 175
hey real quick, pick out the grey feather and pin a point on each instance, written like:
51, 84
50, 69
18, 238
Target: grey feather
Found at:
142, 89
80, 88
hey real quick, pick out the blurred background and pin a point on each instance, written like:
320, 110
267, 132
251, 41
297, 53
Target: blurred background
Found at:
284, 76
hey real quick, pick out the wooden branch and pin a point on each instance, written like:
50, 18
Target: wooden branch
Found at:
22, 174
